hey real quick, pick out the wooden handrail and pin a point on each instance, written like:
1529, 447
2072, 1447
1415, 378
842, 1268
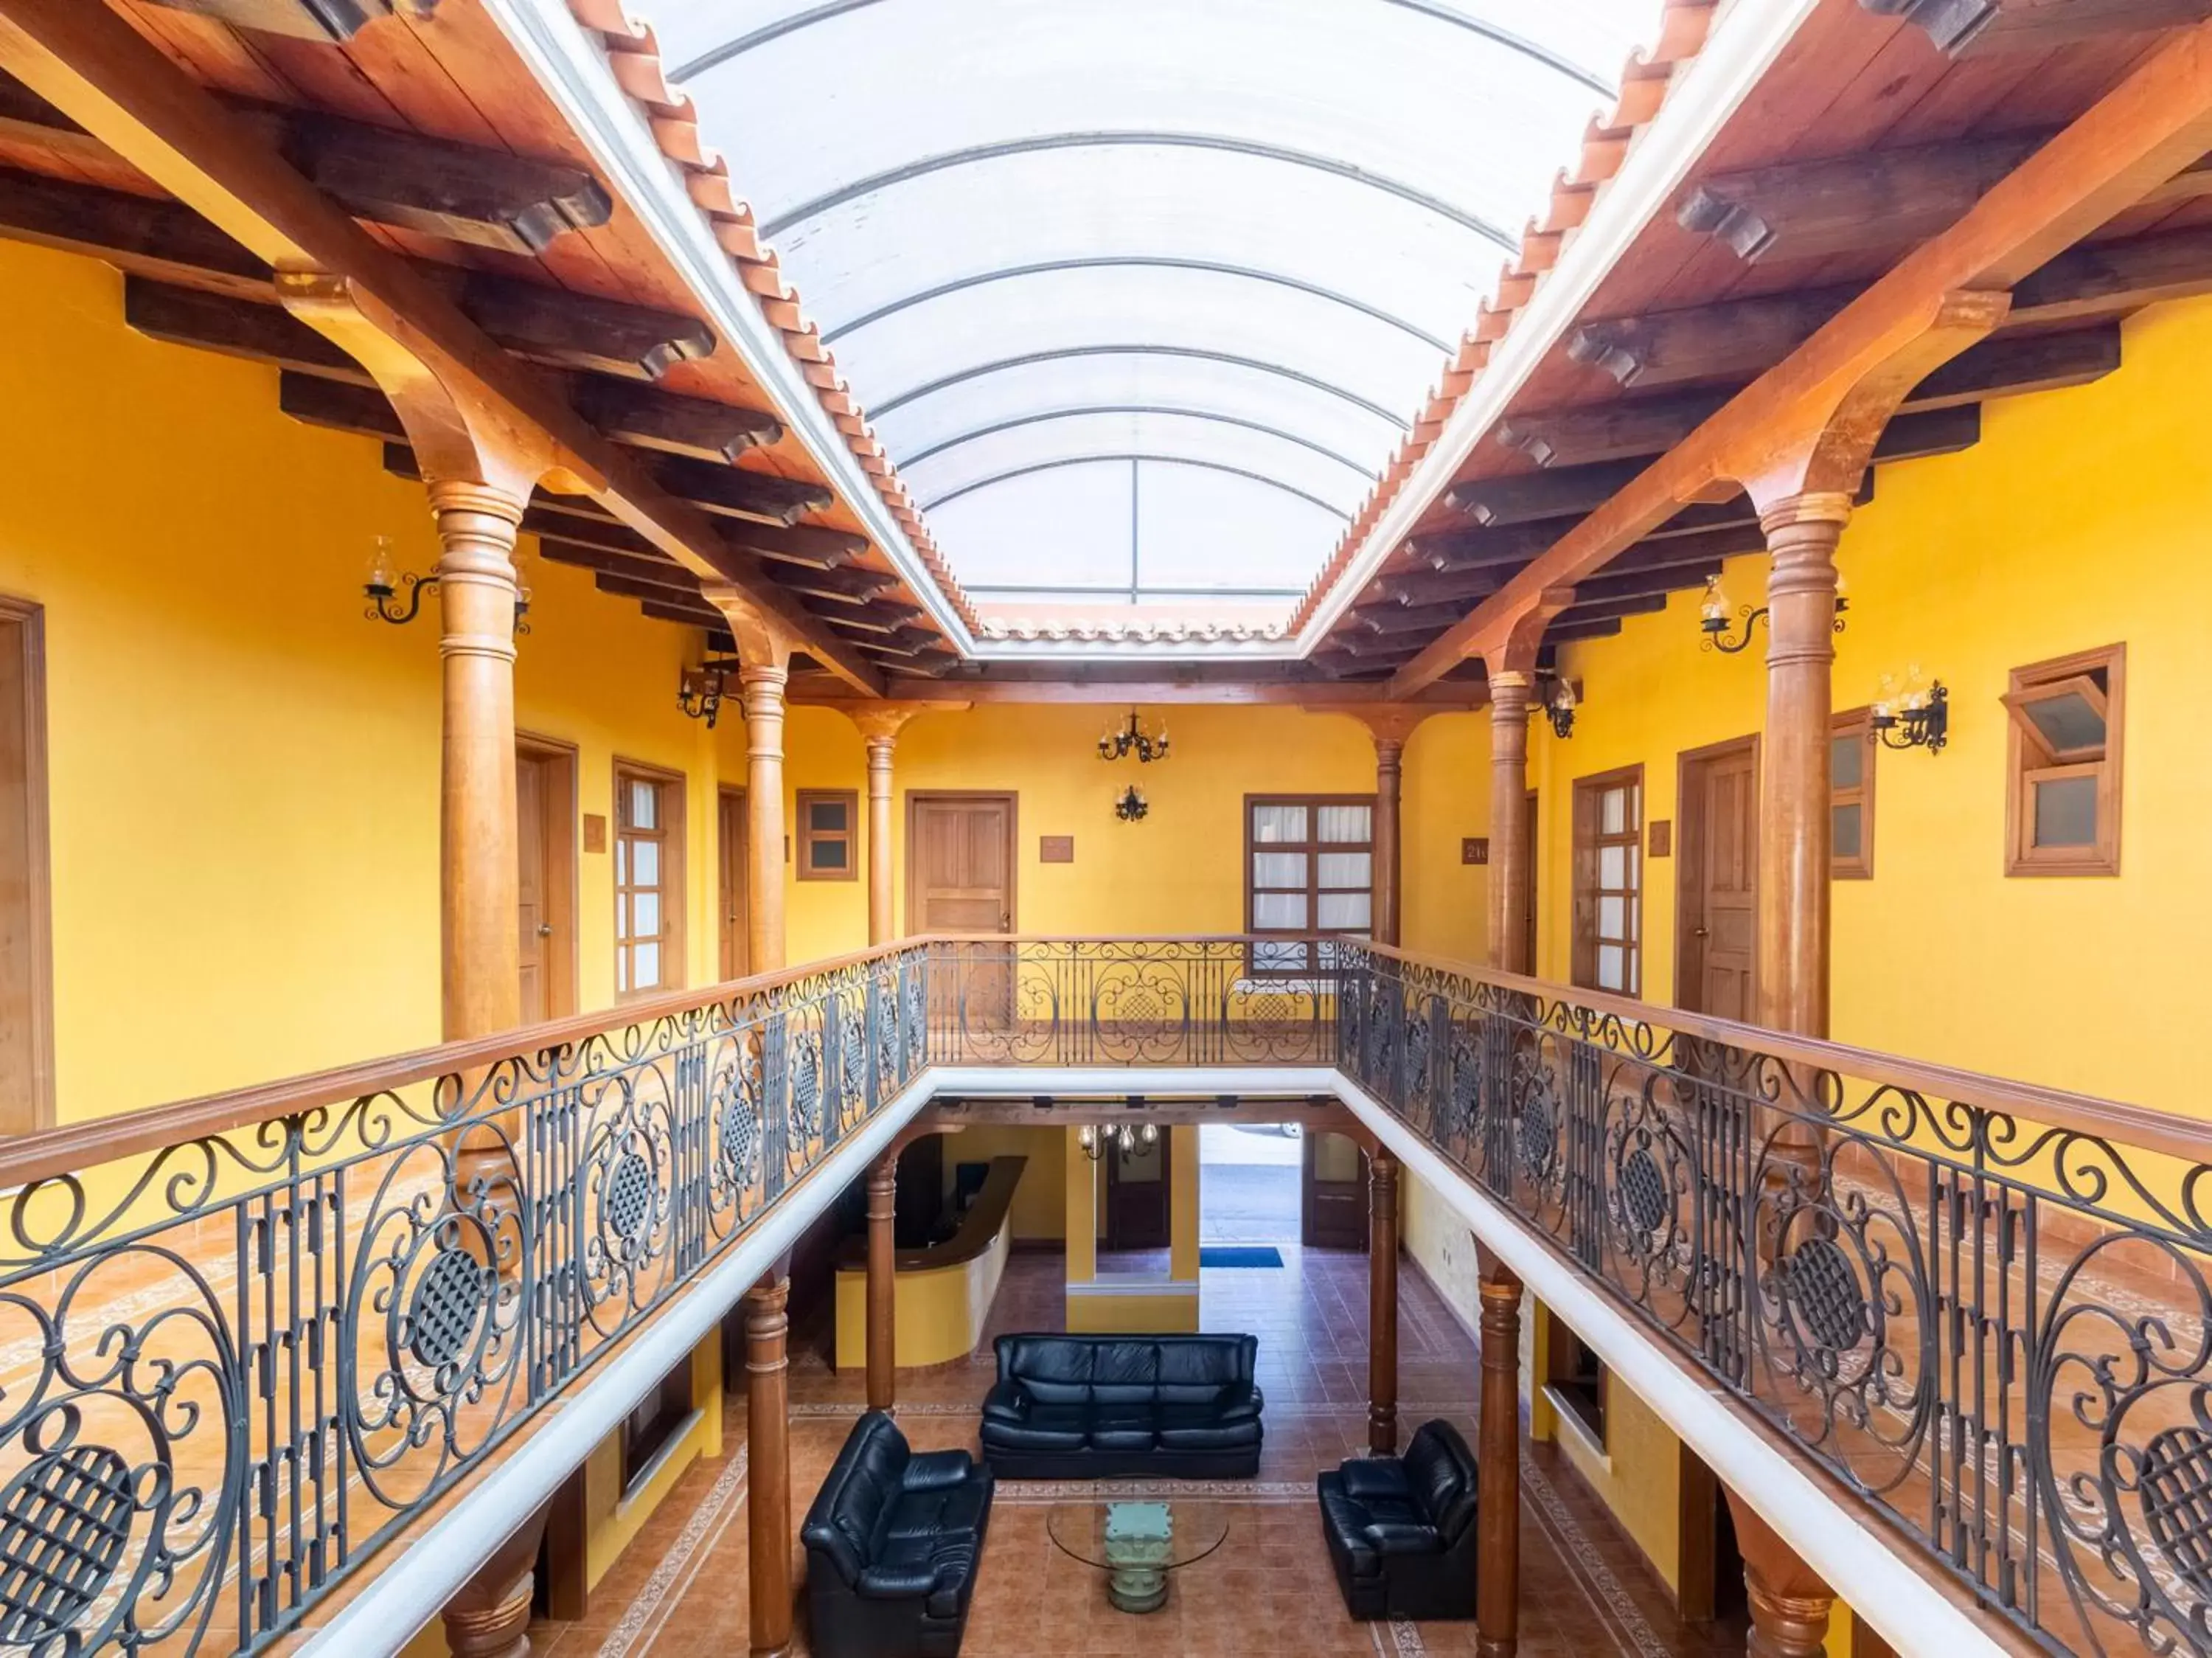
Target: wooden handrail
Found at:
73, 1146
2138, 1127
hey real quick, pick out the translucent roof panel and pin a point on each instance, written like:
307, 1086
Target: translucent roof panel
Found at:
1218, 250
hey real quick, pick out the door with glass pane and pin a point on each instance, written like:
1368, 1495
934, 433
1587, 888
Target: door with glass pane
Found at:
1608, 870
1139, 1193
1309, 868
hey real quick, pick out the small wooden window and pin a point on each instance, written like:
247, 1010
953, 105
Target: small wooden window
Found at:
1309, 868
1850, 797
1608, 886
648, 880
1575, 1377
2062, 805
647, 1431
828, 834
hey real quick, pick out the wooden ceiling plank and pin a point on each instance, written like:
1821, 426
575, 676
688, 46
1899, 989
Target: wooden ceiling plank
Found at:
91, 65
1963, 28
2144, 131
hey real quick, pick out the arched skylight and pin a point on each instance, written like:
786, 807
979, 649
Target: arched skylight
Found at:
1140, 295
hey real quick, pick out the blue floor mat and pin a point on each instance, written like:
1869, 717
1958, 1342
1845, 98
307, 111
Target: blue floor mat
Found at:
1240, 1255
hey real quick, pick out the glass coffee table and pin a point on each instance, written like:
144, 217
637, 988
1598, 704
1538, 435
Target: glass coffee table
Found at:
1138, 1541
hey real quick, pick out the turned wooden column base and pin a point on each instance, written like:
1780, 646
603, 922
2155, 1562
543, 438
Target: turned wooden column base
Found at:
490, 1617
1497, 1463
768, 1450
883, 1282
1789, 1603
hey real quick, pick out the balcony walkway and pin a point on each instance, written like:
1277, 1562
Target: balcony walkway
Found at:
680, 1589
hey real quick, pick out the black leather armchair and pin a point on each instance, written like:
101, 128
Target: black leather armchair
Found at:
891, 1546
1401, 1530
1112, 1407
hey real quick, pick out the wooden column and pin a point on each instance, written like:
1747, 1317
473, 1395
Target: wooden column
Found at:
880, 725
1389, 752
768, 1456
480, 949
1801, 533
1498, 1459
764, 647
883, 1282
1789, 1603
490, 1617
1382, 1303
1512, 692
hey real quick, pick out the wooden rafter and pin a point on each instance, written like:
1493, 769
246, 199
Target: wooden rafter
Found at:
2155, 121
93, 66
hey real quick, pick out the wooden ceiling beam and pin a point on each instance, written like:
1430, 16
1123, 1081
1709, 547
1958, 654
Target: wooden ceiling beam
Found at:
90, 62
1562, 632
469, 193
880, 617
331, 22
647, 417
1737, 338
1963, 29
653, 571
1526, 498
234, 328
2153, 122
165, 240
2006, 365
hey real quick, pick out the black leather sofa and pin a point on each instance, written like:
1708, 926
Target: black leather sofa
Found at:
1103, 1407
891, 1546
1401, 1530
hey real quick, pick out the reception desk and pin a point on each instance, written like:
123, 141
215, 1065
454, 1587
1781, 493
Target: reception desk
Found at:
942, 1294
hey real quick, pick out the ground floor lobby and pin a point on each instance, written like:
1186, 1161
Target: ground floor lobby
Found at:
680, 1589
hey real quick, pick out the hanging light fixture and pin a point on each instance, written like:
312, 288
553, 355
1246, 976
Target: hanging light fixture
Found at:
1911, 713
1132, 805
1115, 744
1125, 1136
1561, 701
699, 692
1713, 618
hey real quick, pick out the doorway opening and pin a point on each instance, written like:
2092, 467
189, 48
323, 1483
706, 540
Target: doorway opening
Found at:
545, 875
1250, 1189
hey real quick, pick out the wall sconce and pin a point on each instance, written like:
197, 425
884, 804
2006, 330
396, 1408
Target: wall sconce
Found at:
384, 582
699, 692
1132, 805
1911, 714
1115, 744
1126, 1136
1561, 701
1713, 618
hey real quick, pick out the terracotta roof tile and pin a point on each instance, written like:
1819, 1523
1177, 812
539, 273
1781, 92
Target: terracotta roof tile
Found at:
1644, 84
633, 59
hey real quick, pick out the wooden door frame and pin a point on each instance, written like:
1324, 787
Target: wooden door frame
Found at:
729, 875
1596, 782
916, 797
1309, 1157
1689, 847
30, 618
563, 984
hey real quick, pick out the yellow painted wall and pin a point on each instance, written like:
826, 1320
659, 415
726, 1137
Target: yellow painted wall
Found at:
1179, 871
243, 771
1446, 798
1040, 1206
2077, 521
938, 1312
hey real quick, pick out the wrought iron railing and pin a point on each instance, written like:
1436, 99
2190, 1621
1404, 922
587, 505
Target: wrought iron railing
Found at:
1983, 1307
244, 1341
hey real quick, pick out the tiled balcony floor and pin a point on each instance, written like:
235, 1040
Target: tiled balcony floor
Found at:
680, 1592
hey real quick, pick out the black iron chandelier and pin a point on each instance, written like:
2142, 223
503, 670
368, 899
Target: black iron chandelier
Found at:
1116, 745
1132, 805
1125, 1136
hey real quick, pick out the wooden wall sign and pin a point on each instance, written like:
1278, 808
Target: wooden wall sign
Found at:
1659, 839
595, 832
1474, 849
1055, 849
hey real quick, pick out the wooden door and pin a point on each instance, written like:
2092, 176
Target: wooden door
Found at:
545, 884
1716, 955
731, 841
1529, 872
1139, 1184
1333, 1199
27, 1068
960, 879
